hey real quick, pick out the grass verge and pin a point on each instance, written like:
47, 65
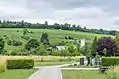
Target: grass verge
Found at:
17, 74
78, 67
72, 74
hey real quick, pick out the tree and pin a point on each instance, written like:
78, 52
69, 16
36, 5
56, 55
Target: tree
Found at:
46, 23
87, 50
117, 43
70, 47
41, 50
108, 45
94, 47
32, 44
2, 44
63, 52
44, 39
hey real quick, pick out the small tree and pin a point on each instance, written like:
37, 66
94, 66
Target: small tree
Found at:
94, 47
107, 45
25, 31
2, 44
70, 47
41, 50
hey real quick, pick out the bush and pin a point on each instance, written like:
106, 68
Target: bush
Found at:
20, 64
14, 43
110, 61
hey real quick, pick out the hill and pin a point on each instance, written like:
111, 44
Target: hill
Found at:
55, 36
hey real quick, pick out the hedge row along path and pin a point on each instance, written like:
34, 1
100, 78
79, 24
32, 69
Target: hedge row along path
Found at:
51, 72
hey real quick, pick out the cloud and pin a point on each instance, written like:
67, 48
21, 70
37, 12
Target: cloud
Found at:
92, 13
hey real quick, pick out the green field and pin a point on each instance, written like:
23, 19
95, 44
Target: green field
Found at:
70, 74
16, 74
54, 35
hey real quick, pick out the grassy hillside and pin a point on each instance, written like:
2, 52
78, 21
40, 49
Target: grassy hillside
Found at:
54, 35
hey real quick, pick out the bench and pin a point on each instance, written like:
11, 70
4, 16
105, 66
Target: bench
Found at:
103, 69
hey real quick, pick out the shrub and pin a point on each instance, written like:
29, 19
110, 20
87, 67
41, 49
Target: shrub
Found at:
20, 64
25, 37
110, 61
14, 43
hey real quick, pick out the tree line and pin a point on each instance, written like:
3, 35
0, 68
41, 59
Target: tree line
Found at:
66, 26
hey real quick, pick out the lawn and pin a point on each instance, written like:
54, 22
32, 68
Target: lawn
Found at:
16, 74
78, 67
70, 74
50, 63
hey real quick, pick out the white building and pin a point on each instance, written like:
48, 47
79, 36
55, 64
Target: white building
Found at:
82, 42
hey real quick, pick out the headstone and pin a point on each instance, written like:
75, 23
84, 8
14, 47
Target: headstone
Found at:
81, 61
89, 61
97, 61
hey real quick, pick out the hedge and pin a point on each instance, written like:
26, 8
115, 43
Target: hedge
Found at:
20, 64
110, 61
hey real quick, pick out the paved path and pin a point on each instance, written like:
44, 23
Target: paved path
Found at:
52, 72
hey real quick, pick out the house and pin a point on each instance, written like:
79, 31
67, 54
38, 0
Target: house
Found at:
60, 47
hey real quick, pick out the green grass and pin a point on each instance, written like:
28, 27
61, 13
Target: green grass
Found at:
16, 74
78, 67
54, 35
50, 63
83, 75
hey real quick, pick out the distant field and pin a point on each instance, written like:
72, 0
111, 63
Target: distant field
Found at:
54, 35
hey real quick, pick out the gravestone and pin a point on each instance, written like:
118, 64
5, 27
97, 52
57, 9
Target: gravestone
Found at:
81, 61
89, 61
97, 61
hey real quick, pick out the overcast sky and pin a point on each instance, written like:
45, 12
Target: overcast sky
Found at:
92, 13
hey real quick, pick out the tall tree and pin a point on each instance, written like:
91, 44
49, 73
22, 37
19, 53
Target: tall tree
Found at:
44, 39
117, 43
46, 23
94, 47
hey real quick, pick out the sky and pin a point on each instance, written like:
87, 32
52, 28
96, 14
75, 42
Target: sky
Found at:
91, 13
